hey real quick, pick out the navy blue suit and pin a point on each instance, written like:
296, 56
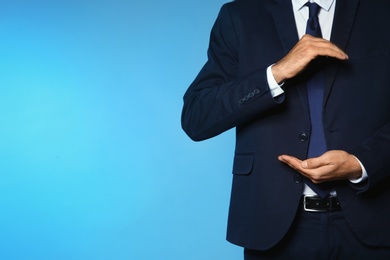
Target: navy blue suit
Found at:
232, 91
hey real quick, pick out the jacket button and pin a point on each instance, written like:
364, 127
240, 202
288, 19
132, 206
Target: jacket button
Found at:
297, 178
303, 137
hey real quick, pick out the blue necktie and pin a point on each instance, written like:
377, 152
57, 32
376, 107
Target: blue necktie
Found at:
313, 26
315, 92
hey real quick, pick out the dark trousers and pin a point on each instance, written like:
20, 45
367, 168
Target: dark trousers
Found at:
320, 236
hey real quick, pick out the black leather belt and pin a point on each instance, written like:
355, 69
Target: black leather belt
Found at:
318, 204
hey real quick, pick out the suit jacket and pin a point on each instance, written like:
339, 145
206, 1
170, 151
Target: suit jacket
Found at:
232, 91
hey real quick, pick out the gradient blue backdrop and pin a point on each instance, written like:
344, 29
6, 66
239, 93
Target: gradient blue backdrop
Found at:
93, 161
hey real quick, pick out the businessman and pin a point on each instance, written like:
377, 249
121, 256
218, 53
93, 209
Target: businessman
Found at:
307, 87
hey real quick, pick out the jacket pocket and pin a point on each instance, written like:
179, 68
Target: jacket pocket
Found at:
243, 164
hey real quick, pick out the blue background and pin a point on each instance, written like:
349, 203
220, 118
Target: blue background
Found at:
93, 161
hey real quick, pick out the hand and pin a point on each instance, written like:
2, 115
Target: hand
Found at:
307, 49
331, 166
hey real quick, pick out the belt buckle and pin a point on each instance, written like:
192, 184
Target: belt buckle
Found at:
311, 210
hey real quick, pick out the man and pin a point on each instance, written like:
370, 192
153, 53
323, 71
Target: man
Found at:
307, 87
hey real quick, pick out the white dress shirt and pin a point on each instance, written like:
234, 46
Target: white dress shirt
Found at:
325, 18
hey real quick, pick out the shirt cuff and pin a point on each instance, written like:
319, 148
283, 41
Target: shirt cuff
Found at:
364, 174
274, 87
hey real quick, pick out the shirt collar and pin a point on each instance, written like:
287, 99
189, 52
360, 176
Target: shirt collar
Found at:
325, 4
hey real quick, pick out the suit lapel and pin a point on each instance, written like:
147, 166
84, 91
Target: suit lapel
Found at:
284, 20
342, 25
343, 21
285, 23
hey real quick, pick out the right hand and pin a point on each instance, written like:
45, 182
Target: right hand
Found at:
307, 49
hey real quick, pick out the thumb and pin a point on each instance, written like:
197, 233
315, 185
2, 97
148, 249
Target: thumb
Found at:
311, 163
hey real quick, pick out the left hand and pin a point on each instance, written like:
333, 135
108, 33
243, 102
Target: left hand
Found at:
331, 166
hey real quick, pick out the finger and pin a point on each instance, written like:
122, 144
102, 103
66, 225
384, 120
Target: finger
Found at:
331, 51
316, 175
313, 163
295, 164
291, 161
322, 47
325, 48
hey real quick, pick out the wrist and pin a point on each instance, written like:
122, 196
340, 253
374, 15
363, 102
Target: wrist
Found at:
277, 72
363, 173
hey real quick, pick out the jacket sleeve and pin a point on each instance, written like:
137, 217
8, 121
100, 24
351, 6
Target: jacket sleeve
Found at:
220, 97
374, 154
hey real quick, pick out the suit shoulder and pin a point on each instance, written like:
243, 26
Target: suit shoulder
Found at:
248, 3
246, 7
